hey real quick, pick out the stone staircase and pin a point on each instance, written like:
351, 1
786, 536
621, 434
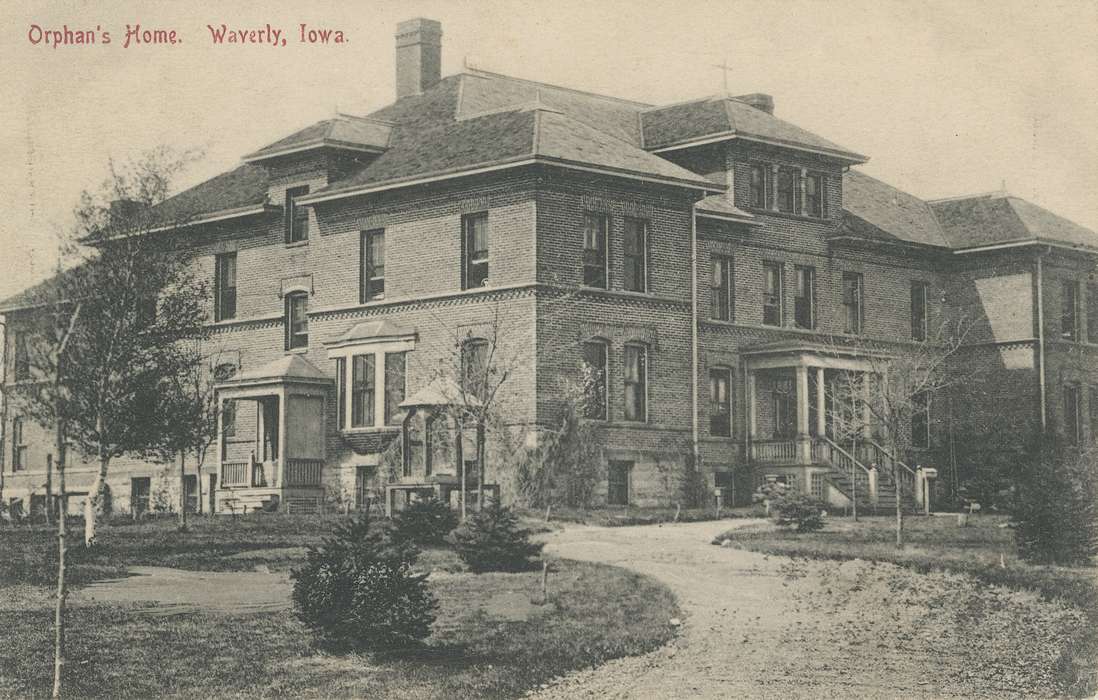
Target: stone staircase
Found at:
841, 465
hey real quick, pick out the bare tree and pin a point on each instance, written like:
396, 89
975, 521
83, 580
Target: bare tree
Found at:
894, 393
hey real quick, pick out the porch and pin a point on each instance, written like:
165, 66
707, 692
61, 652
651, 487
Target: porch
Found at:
809, 422
270, 438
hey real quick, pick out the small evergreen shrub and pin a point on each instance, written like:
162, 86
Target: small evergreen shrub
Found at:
1055, 511
425, 522
802, 513
492, 540
357, 590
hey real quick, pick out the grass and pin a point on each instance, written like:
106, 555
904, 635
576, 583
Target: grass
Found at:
595, 613
985, 550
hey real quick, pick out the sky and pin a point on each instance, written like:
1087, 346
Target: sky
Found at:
945, 98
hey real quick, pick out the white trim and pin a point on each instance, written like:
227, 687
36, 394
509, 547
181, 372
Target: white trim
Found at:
379, 349
732, 135
536, 160
1079, 248
216, 216
257, 156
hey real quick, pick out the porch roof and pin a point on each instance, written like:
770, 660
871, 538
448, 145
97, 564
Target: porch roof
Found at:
289, 369
795, 352
368, 331
442, 391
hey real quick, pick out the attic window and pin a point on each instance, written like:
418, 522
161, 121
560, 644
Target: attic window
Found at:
297, 217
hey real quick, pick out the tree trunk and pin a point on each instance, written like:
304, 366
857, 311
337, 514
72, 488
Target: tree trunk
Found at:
59, 611
49, 490
94, 502
480, 467
182, 491
899, 505
198, 477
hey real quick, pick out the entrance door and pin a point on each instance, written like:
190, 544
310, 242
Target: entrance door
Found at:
617, 493
210, 495
190, 492
139, 495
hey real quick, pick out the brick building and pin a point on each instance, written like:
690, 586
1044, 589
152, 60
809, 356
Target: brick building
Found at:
715, 266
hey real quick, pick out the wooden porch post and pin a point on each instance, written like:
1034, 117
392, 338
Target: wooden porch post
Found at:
752, 423
281, 460
821, 403
804, 442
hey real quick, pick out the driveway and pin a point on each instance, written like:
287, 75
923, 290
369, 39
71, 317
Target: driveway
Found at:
762, 626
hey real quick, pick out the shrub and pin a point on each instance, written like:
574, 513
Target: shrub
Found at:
1055, 511
357, 590
425, 522
802, 513
492, 540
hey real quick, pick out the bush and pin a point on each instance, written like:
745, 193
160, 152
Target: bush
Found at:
357, 590
492, 540
1055, 511
802, 513
425, 522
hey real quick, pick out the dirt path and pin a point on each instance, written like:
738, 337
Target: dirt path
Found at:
758, 626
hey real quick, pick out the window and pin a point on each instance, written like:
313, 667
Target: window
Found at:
813, 195
636, 380
474, 360
804, 304
225, 286
139, 494
22, 357
594, 380
787, 190
721, 288
617, 492
372, 266
1069, 308
297, 217
1092, 313
636, 255
594, 249
720, 402
918, 310
920, 420
1073, 426
297, 320
475, 227
852, 302
18, 449
341, 403
772, 294
228, 418
756, 196
394, 385
363, 384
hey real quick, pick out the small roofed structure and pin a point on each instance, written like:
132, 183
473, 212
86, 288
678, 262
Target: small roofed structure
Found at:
432, 467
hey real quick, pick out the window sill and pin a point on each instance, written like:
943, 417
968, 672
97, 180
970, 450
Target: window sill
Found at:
368, 429
297, 244
297, 351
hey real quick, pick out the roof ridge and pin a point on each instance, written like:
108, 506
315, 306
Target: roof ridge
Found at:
679, 103
481, 73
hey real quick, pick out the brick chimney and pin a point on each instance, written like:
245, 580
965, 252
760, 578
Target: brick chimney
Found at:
418, 56
759, 100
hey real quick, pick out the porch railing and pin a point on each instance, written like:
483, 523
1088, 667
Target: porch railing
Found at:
844, 462
774, 451
234, 474
302, 472
885, 461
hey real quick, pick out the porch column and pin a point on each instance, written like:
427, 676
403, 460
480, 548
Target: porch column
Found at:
821, 403
752, 423
804, 442
279, 465
220, 443
867, 415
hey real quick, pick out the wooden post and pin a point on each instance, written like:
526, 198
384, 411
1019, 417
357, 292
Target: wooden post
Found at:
544, 581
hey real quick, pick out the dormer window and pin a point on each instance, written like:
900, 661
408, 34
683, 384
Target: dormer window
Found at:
297, 217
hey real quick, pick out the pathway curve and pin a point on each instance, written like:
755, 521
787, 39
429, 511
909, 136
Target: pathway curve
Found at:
764, 626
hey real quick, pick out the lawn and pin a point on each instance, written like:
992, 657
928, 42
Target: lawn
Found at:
492, 637
985, 550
